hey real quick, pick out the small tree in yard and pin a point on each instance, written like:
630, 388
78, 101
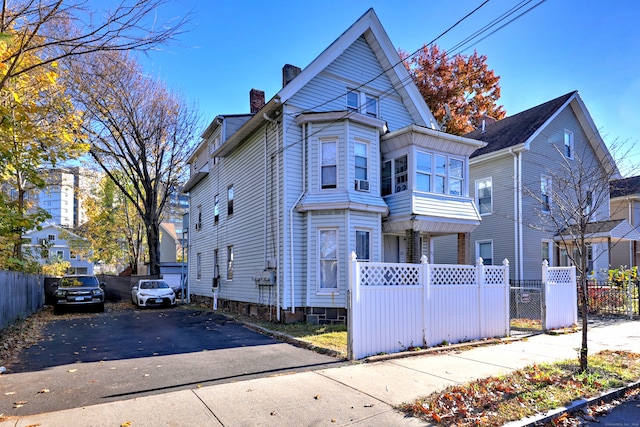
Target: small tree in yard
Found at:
572, 205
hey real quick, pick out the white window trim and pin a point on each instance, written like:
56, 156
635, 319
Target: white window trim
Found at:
447, 173
230, 262
320, 162
551, 248
478, 243
363, 105
367, 145
571, 144
198, 266
549, 193
490, 179
366, 230
319, 289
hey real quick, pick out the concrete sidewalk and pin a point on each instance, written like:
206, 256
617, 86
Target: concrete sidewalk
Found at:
360, 394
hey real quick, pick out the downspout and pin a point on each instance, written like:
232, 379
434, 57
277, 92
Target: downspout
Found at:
266, 197
304, 171
516, 193
520, 238
269, 119
632, 243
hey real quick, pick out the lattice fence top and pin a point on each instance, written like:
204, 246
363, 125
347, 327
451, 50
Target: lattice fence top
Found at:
453, 275
559, 275
493, 275
376, 275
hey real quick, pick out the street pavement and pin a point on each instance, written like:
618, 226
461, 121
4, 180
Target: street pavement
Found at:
358, 394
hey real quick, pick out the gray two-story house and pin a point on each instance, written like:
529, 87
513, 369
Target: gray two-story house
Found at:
537, 166
345, 158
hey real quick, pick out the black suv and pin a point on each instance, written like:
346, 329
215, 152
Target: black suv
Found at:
79, 290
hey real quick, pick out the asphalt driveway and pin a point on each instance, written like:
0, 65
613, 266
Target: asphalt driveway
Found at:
91, 358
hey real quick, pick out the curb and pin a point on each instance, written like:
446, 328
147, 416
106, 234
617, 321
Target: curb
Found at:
573, 407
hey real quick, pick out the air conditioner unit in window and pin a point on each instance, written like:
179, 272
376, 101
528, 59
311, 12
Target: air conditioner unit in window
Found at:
362, 185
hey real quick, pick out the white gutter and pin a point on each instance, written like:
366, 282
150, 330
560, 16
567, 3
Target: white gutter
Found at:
304, 174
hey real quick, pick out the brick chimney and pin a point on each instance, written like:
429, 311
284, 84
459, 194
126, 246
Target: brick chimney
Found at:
289, 72
256, 100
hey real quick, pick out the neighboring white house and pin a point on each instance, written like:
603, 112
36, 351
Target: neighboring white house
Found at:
515, 183
346, 157
53, 243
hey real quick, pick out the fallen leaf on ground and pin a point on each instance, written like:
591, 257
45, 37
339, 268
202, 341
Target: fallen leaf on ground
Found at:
44, 390
72, 370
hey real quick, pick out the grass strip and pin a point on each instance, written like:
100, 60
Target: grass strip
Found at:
535, 389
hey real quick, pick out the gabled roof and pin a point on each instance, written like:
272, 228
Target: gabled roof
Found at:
369, 27
625, 187
517, 129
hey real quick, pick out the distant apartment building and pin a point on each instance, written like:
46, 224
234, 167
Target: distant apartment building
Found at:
63, 197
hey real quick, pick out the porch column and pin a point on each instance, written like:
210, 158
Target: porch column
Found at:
463, 248
414, 251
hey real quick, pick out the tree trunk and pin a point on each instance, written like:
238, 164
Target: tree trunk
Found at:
584, 309
153, 242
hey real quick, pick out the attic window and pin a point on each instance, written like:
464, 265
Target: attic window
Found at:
568, 144
352, 101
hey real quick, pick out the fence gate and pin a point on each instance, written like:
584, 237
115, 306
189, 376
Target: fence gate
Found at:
526, 305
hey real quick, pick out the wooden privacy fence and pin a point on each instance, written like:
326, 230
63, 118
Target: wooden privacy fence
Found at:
395, 307
21, 294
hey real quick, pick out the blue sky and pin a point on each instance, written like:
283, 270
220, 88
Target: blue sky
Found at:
592, 46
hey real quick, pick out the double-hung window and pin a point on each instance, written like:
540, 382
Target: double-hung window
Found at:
229, 262
216, 208
328, 249
484, 195
361, 102
230, 200
484, 249
456, 177
353, 100
329, 164
363, 245
545, 192
568, 144
361, 160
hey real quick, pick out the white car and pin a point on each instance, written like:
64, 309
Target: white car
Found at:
148, 293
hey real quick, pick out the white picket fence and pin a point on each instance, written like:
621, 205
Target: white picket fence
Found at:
395, 307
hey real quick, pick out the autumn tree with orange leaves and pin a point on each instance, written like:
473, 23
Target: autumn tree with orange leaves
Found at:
458, 90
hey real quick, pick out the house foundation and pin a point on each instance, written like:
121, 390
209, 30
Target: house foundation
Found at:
312, 315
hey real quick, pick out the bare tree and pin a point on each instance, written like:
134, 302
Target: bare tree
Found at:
571, 198
140, 135
55, 30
